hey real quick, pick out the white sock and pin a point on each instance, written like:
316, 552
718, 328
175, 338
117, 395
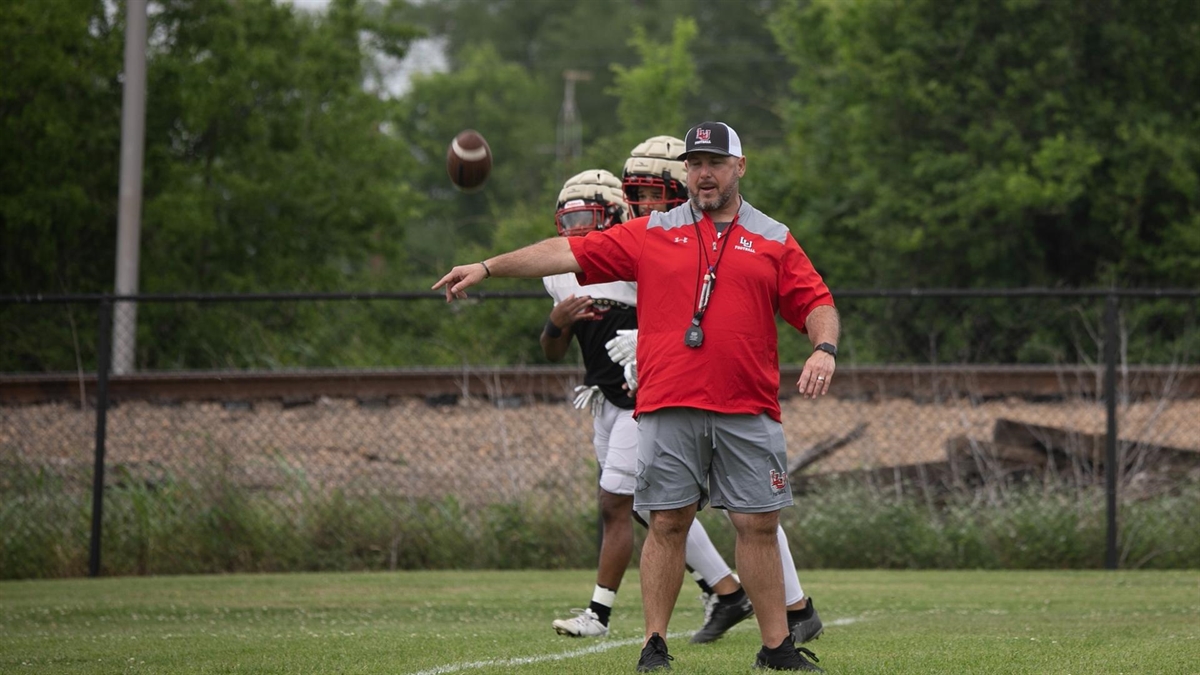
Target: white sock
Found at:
703, 557
792, 592
604, 596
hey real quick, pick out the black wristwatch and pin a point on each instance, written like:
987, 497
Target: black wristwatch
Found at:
827, 348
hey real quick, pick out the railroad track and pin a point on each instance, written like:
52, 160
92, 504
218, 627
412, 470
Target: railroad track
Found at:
556, 382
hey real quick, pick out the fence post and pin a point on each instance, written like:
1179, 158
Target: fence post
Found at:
102, 366
1111, 468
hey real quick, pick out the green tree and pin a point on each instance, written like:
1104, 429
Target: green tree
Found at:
510, 108
268, 167
740, 69
997, 144
651, 94
545, 38
273, 170
60, 107
741, 72
271, 167
982, 144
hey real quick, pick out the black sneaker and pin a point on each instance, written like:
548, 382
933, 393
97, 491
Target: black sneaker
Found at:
808, 629
787, 656
654, 655
723, 617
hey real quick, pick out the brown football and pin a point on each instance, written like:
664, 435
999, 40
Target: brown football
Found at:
468, 160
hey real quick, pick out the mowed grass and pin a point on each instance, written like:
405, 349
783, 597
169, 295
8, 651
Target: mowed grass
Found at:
499, 622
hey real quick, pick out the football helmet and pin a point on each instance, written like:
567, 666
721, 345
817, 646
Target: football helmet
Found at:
652, 164
590, 201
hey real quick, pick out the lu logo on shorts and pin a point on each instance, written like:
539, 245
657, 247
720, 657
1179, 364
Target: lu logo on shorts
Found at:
778, 481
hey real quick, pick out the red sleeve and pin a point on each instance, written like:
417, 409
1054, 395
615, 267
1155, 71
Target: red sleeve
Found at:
801, 289
610, 255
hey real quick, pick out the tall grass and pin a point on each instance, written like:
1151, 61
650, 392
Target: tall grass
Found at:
208, 524
1032, 526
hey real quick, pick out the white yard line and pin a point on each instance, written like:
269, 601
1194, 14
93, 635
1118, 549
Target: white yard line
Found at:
525, 660
542, 658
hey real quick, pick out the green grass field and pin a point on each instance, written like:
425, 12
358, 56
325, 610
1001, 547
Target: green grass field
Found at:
499, 622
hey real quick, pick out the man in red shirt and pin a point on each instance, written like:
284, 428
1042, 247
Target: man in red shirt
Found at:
712, 273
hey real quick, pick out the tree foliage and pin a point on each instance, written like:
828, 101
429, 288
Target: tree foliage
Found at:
60, 114
510, 108
270, 166
651, 94
267, 165
920, 144
997, 144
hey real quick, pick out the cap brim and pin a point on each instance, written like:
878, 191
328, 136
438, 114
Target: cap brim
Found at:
711, 151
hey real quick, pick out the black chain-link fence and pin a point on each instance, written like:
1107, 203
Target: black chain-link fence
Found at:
323, 432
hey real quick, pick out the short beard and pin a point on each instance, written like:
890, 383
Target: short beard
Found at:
717, 202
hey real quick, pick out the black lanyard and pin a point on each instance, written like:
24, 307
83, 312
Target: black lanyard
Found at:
694, 336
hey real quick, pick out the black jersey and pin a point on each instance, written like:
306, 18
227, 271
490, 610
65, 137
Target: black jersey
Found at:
615, 305
592, 336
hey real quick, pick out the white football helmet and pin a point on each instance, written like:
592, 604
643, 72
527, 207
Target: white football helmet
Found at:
591, 200
652, 164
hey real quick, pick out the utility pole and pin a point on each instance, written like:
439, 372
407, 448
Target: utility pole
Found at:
129, 207
570, 130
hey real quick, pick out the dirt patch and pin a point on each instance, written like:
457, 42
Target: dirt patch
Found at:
480, 452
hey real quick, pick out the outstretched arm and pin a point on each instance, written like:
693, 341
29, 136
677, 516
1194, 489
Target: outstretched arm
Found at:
551, 256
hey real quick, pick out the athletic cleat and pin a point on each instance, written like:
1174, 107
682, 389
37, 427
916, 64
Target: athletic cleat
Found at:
789, 658
808, 629
654, 655
585, 623
723, 617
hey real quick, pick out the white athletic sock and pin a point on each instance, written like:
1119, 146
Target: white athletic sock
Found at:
792, 592
703, 557
604, 596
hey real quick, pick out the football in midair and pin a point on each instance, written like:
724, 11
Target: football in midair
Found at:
468, 160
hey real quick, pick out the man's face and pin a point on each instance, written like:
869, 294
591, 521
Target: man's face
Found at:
712, 180
651, 198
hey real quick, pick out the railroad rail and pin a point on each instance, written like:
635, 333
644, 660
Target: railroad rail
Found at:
556, 382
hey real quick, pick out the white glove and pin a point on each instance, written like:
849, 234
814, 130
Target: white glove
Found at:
631, 377
623, 348
589, 397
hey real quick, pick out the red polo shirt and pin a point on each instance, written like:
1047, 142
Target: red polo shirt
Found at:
761, 271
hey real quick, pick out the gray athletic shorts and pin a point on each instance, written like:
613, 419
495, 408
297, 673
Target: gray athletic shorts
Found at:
685, 455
